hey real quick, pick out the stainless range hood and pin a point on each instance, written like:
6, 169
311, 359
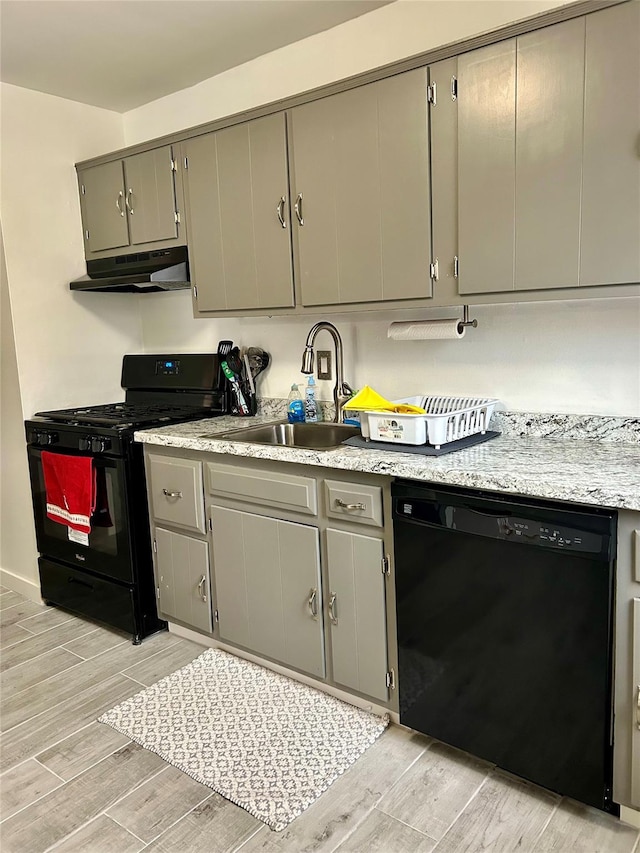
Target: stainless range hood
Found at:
142, 272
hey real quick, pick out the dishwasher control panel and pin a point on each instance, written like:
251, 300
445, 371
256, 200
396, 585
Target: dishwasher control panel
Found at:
502, 526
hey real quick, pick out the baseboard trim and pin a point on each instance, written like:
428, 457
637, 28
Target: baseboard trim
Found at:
30, 589
631, 816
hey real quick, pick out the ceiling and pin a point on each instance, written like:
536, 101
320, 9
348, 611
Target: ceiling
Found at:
119, 54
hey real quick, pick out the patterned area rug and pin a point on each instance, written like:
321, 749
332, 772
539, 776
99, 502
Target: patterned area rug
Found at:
262, 740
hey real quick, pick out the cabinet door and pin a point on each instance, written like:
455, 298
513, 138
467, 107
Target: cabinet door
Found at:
267, 577
150, 196
103, 207
486, 167
357, 613
444, 176
361, 182
609, 251
635, 737
183, 579
238, 215
549, 134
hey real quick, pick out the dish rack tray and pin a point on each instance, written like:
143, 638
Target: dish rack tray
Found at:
447, 419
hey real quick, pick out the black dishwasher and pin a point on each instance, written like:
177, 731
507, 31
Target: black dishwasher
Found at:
504, 611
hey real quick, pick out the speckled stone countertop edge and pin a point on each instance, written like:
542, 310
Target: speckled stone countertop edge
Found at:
605, 474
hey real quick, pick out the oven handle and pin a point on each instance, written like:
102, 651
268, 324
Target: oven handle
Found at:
79, 582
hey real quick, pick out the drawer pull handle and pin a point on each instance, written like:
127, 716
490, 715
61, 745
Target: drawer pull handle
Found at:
169, 494
344, 505
312, 603
638, 706
201, 592
333, 616
298, 209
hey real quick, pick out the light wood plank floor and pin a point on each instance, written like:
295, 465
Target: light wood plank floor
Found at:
73, 785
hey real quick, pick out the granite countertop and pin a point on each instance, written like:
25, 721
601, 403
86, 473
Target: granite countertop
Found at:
592, 472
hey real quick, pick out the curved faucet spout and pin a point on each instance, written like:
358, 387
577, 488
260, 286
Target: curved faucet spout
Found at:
341, 390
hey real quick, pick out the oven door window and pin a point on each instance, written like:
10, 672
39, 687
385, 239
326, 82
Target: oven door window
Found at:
107, 549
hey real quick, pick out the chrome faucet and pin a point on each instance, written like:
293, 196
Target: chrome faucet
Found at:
341, 390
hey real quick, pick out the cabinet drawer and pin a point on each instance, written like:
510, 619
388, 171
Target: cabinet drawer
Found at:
176, 494
263, 488
354, 502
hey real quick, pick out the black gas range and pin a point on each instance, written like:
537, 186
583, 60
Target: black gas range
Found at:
107, 573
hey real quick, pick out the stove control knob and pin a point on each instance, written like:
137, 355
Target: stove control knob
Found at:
44, 439
99, 444
84, 443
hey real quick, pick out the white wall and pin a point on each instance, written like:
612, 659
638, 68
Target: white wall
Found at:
573, 357
404, 28
568, 357
68, 347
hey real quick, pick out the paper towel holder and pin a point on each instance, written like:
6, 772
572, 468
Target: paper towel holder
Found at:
465, 318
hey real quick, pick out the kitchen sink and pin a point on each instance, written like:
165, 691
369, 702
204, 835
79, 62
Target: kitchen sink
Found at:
321, 436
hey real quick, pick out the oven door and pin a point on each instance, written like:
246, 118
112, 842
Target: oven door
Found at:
106, 550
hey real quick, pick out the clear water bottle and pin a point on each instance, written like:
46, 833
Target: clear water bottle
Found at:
310, 404
295, 406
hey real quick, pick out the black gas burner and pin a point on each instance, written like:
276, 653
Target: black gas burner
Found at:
122, 415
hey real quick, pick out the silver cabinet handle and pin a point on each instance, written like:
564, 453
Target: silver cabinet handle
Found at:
280, 211
118, 203
201, 592
298, 208
333, 616
129, 201
344, 505
638, 706
169, 494
312, 603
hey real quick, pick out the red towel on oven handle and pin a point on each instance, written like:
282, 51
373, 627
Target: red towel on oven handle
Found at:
70, 486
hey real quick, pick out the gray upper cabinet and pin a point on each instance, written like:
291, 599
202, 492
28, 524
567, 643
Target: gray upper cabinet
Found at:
549, 133
238, 217
610, 227
486, 102
130, 202
104, 215
150, 196
360, 189
548, 165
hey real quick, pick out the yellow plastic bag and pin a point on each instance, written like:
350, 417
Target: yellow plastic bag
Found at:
368, 400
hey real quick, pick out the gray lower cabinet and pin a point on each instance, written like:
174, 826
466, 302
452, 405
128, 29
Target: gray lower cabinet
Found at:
635, 735
183, 579
356, 612
236, 194
268, 587
130, 202
360, 188
539, 144
175, 492
626, 655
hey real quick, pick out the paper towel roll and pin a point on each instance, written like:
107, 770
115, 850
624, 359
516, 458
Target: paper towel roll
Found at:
426, 330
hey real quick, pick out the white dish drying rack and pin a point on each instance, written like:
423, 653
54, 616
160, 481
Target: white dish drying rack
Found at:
447, 419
